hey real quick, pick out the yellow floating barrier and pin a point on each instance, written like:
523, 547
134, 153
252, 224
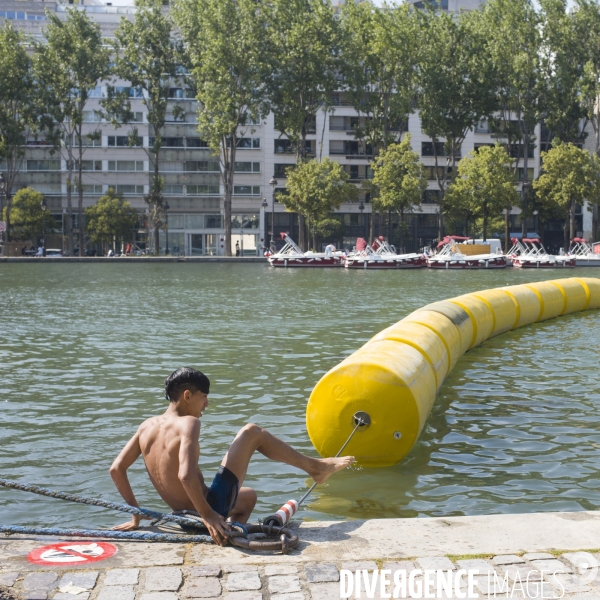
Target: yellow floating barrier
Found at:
395, 376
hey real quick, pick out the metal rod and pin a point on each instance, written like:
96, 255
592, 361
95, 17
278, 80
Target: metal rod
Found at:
359, 423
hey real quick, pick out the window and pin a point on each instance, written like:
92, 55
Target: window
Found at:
91, 188
213, 222
138, 117
132, 92
280, 169
203, 166
91, 116
91, 165
176, 93
250, 120
43, 165
127, 189
247, 167
172, 142
202, 190
248, 143
245, 221
246, 190
125, 165
427, 149
95, 142
284, 147
122, 141
195, 142
172, 189
96, 92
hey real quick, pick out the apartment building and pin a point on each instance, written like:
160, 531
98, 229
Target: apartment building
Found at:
192, 187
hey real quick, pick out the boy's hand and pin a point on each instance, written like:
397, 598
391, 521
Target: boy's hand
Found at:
130, 525
217, 527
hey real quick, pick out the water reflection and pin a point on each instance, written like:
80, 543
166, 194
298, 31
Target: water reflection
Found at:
86, 348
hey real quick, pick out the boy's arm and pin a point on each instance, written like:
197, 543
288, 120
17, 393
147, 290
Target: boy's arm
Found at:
193, 482
118, 472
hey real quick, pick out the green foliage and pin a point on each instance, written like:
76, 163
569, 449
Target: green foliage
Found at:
28, 219
570, 175
305, 43
484, 186
67, 65
398, 177
111, 217
316, 188
225, 43
330, 229
380, 66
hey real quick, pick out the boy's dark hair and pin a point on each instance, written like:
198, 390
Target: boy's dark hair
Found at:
184, 379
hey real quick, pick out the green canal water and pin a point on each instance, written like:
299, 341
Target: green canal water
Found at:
84, 350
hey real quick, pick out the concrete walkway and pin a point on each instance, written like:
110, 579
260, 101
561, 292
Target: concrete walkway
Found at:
140, 260
512, 546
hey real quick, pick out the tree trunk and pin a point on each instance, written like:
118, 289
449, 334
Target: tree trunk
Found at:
302, 241
8, 207
401, 225
572, 220
566, 230
507, 241
228, 174
371, 225
389, 226
485, 219
80, 196
524, 188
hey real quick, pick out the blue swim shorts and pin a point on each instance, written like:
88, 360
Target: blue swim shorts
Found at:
223, 492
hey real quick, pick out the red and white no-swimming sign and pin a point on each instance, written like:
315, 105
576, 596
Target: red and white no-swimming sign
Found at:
72, 553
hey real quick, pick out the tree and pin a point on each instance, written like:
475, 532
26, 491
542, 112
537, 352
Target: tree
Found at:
68, 65
29, 219
304, 50
330, 229
148, 56
457, 88
569, 177
110, 219
225, 42
484, 185
17, 106
315, 189
563, 58
400, 181
380, 66
514, 46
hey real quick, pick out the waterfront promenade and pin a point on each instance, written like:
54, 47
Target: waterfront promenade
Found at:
516, 545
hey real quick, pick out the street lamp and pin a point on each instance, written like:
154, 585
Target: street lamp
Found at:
535, 214
43, 206
361, 207
264, 206
273, 183
166, 208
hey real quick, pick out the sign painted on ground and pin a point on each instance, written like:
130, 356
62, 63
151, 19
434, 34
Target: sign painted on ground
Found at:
72, 553
2, 225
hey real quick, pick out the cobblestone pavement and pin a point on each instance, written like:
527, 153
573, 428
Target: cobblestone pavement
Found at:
277, 580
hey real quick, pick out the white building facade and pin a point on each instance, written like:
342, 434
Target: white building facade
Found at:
191, 175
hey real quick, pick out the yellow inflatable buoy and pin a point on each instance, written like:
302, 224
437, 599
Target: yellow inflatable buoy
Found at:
395, 376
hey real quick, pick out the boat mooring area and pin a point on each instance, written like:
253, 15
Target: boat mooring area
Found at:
555, 552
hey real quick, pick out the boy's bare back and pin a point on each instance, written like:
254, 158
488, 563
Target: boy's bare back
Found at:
161, 440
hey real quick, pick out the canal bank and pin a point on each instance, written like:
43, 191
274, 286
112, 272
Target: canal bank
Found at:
536, 544
132, 259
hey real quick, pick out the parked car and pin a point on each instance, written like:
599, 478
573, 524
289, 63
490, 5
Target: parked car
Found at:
53, 253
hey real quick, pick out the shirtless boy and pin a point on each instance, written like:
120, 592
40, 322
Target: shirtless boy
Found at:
169, 445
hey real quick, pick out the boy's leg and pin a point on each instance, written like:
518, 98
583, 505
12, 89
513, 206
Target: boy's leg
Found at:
252, 438
244, 505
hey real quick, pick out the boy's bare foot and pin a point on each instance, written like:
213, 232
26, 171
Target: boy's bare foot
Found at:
328, 466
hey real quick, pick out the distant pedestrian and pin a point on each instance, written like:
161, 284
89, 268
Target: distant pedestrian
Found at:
23, 250
237, 248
